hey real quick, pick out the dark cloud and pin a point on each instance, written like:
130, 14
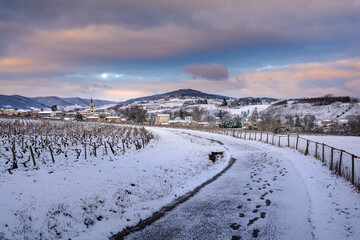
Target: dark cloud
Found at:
44, 38
321, 83
212, 71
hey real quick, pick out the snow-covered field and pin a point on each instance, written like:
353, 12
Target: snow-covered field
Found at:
347, 143
94, 198
98, 197
250, 109
334, 111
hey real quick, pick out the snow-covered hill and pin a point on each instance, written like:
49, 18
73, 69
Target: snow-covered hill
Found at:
334, 111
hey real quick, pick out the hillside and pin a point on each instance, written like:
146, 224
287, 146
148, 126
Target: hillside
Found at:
332, 111
21, 102
181, 94
65, 102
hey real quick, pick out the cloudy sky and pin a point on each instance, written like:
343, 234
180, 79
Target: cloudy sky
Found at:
121, 49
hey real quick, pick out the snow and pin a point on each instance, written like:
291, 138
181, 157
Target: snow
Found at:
348, 143
98, 197
306, 200
335, 111
249, 108
118, 190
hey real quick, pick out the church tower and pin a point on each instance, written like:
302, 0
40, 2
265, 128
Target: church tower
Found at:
92, 107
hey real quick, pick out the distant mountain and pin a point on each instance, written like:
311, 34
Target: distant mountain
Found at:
181, 93
65, 102
21, 102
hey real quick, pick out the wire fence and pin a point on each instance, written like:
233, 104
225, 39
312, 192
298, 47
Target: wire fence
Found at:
341, 162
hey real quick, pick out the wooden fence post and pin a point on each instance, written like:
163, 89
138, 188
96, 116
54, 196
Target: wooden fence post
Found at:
323, 152
279, 142
95, 149
353, 169
85, 149
288, 140
106, 147
123, 143
255, 136
111, 148
260, 137
341, 153
32, 156
316, 150
272, 143
14, 156
51, 153
297, 142
332, 159
267, 137
307, 148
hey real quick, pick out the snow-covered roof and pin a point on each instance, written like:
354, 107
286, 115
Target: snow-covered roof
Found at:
92, 117
177, 121
163, 115
114, 117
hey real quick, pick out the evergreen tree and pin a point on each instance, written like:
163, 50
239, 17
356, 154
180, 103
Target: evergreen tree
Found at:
54, 108
181, 114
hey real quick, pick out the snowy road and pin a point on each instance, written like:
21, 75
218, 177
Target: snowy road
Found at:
269, 193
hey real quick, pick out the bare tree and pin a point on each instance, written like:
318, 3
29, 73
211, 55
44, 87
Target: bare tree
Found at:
197, 113
309, 122
134, 114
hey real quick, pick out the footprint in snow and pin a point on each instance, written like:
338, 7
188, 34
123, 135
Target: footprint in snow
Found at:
235, 238
255, 233
235, 226
251, 221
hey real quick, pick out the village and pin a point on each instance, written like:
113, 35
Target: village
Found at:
157, 117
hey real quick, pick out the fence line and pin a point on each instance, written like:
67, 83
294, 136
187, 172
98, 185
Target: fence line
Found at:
339, 161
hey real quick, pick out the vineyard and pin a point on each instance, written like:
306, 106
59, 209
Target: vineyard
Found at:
30, 144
